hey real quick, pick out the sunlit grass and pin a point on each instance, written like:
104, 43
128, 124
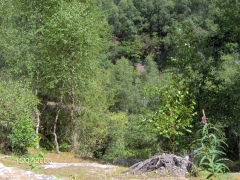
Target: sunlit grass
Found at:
89, 173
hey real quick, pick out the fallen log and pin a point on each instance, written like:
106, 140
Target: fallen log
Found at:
165, 164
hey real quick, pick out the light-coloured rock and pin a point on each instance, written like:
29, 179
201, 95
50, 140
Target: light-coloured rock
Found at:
61, 165
3, 157
11, 173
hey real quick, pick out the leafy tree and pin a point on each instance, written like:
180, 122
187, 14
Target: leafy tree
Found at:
175, 113
57, 47
151, 76
228, 18
123, 85
112, 13
229, 101
157, 19
72, 38
117, 127
128, 16
130, 50
138, 141
21, 43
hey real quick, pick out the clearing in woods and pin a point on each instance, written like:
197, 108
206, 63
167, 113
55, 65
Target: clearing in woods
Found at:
88, 172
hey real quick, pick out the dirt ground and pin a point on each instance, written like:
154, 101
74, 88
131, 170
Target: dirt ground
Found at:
23, 171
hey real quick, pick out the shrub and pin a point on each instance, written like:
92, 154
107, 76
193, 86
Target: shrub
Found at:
17, 106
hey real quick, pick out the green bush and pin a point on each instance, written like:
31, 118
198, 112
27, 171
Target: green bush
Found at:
17, 107
116, 145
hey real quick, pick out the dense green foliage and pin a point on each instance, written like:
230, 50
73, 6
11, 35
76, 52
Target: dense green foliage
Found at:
119, 78
17, 105
174, 115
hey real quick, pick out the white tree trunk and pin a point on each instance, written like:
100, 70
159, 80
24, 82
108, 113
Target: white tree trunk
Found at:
54, 132
73, 124
37, 129
37, 114
55, 123
36, 93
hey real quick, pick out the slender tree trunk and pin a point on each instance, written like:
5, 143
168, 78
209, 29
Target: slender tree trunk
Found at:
72, 119
54, 132
239, 148
37, 114
72, 116
37, 129
36, 92
172, 141
55, 123
73, 124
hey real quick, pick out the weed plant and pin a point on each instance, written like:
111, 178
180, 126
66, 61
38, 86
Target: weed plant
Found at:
211, 153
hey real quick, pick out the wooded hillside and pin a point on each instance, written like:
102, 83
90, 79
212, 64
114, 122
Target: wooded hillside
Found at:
118, 78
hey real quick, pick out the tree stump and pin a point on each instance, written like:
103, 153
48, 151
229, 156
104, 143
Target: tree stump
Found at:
165, 164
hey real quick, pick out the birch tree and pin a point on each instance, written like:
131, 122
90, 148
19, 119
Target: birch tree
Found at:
73, 38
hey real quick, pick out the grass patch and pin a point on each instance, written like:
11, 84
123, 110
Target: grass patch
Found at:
89, 173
